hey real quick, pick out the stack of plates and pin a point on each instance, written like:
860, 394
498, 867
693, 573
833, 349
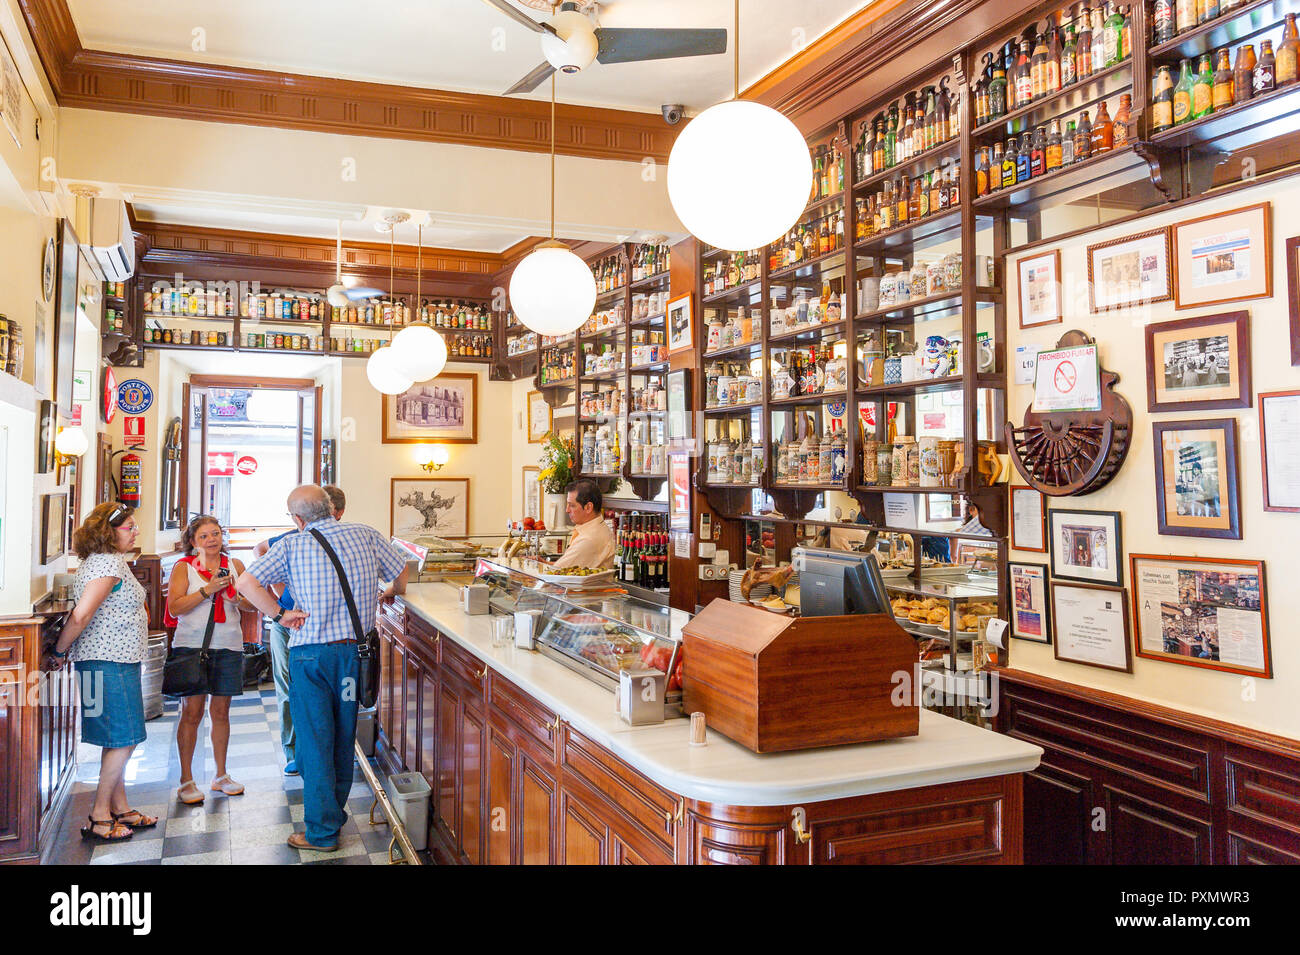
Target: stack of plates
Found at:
733, 588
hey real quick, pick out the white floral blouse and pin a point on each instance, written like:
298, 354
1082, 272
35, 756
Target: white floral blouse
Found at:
119, 630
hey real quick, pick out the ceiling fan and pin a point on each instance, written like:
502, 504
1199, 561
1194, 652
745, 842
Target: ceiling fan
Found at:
340, 295
571, 41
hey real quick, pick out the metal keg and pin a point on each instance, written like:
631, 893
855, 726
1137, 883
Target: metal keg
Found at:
151, 674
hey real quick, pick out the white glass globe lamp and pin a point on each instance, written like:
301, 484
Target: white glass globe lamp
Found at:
552, 290
419, 352
384, 377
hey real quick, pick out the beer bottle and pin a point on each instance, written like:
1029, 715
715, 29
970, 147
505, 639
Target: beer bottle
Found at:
998, 89
1203, 89
1288, 53
1123, 121
1038, 153
931, 120
944, 113
1221, 97
1184, 15
1053, 159
1099, 16
1024, 77
1103, 132
1264, 73
1206, 10
1083, 138
1113, 28
1023, 152
995, 168
982, 172
1183, 93
1243, 73
1162, 100
1083, 52
1038, 67
938, 195
1009, 163
1068, 51
1052, 72
891, 137
1163, 28
1067, 144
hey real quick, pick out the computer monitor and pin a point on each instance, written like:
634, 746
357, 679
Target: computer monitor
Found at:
833, 583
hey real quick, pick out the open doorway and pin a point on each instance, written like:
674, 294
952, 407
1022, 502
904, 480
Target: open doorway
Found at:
250, 441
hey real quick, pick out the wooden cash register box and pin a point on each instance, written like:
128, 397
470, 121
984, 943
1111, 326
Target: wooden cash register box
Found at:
775, 683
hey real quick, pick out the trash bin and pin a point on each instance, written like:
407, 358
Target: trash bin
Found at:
366, 730
409, 793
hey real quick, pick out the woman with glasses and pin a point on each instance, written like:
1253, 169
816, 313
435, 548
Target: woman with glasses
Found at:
202, 593
108, 633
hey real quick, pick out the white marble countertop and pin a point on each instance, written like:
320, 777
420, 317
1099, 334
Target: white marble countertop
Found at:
946, 750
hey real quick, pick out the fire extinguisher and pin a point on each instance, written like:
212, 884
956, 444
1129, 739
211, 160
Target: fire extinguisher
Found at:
129, 478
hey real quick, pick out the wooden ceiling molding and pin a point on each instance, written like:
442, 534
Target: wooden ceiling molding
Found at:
126, 83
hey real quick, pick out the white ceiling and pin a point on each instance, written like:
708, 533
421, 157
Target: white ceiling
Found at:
455, 44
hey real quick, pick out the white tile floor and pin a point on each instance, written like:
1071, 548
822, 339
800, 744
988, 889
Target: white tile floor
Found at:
249, 829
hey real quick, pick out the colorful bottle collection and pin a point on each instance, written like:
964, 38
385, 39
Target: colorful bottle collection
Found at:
927, 118
899, 202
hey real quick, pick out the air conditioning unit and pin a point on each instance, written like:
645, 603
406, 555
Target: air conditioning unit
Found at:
111, 239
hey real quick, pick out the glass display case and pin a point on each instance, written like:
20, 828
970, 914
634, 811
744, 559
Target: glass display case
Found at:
595, 630
944, 608
451, 557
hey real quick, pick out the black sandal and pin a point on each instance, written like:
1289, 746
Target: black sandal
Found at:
117, 817
88, 832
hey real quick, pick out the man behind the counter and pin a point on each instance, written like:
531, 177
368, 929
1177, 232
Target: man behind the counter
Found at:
592, 543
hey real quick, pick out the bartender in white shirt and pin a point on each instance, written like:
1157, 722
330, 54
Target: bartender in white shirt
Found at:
592, 543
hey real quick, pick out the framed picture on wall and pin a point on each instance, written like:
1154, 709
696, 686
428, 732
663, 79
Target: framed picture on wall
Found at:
47, 424
1279, 448
1224, 257
1196, 478
1134, 270
1201, 362
54, 526
680, 323
424, 508
679, 432
1091, 626
1031, 617
1293, 294
679, 492
539, 417
444, 409
1203, 612
1086, 546
1028, 519
1039, 280
531, 497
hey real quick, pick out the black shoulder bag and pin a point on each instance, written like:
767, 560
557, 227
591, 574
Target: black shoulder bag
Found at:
367, 643
188, 670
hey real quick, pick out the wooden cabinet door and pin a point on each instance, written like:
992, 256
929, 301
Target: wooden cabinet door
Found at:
502, 772
385, 703
584, 839
12, 771
472, 782
446, 788
414, 694
537, 809
429, 725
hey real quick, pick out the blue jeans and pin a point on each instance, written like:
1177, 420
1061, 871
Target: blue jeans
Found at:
280, 674
324, 705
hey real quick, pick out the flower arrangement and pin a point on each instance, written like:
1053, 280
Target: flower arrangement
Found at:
558, 456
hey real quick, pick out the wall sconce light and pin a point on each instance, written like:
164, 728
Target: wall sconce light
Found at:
431, 457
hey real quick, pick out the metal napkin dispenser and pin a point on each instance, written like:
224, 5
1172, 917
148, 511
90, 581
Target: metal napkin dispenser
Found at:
474, 598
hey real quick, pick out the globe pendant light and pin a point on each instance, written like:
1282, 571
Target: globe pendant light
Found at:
419, 351
381, 367
739, 174
552, 291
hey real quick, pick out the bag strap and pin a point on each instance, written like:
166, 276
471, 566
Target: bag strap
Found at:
343, 581
212, 622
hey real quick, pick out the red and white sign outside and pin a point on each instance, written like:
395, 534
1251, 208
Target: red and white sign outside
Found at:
221, 464
246, 465
133, 431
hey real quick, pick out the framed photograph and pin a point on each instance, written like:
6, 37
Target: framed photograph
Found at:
1091, 626
679, 418
679, 491
54, 526
539, 417
11, 95
1224, 257
944, 508
1028, 519
1279, 448
1040, 288
1130, 271
443, 410
1196, 478
680, 323
1086, 546
1199, 363
47, 424
421, 509
532, 492
1293, 294
1203, 612
1031, 617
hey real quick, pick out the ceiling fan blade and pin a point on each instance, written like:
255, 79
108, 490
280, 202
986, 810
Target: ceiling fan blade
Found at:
533, 80
361, 292
519, 16
628, 45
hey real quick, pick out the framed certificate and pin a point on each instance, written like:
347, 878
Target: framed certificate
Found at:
1091, 625
539, 417
1030, 613
1040, 288
1028, 519
1279, 446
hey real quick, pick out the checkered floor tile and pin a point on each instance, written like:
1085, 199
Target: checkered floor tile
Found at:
247, 829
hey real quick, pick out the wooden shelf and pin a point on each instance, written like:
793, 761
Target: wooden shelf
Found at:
648, 320
601, 296
917, 532
932, 230
602, 333
629, 504
934, 156
1076, 97
159, 316
892, 489
817, 205
808, 333
808, 487
732, 409
652, 367
732, 350
634, 415
741, 294
929, 305
1107, 170
650, 281
1228, 30
743, 487
811, 266
612, 375
1251, 121
808, 399
561, 383
923, 386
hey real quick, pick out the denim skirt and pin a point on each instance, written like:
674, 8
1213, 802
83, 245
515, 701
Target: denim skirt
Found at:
112, 704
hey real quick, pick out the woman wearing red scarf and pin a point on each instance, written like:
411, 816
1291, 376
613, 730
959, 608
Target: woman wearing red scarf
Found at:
202, 586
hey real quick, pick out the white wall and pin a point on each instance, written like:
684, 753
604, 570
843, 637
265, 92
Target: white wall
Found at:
1268, 705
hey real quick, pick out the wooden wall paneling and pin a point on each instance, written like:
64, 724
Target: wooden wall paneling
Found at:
446, 793
502, 817
17, 733
399, 705
584, 838
538, 810
413, 692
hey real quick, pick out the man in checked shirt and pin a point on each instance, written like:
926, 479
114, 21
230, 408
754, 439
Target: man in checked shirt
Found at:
323, 665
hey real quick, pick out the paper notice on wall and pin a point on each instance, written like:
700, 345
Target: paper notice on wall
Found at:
682, 545
1157, 586
1068, 379
1221, 258
1241, 638
1026, 363
900, 510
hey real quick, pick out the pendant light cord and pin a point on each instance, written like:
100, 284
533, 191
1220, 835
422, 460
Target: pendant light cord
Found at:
735, 59
552, 156
392, 235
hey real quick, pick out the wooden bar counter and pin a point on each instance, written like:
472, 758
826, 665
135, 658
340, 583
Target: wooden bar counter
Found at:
529, 763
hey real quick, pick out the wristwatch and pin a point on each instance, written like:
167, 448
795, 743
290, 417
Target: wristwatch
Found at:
276, 618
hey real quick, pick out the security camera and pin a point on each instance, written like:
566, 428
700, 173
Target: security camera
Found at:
673, 113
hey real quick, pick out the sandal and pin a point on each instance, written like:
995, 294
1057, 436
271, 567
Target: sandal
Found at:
224, 784
141, 820
88, 832
187, 786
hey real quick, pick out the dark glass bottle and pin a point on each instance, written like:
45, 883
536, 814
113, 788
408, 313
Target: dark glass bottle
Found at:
1243, 73
998, 89
1123, 121
1052, 159
1038, 153
1009, 163
1221, 95
995, 168
1264, 79
1103, 132
1082, 138
1162, 100
1023, 152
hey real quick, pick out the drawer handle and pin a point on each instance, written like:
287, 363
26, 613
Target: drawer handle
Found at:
480, 674
798, 822
554, 727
